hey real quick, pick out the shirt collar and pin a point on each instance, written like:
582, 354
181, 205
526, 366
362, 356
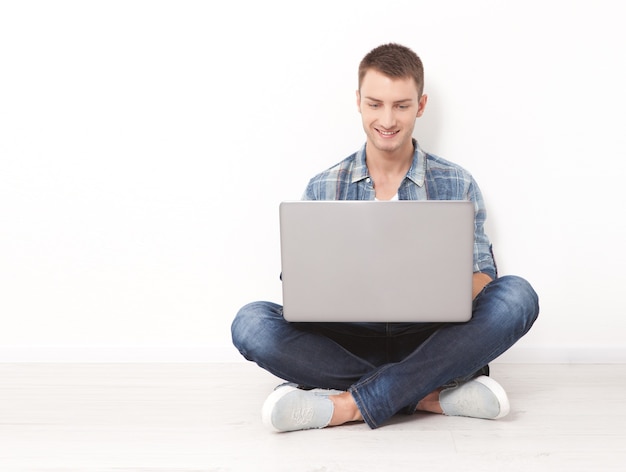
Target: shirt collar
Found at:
360, 171
416, 173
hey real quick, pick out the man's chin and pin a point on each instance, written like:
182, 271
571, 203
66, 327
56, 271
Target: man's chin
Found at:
386, 145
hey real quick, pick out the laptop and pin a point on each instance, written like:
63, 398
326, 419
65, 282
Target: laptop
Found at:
377, 261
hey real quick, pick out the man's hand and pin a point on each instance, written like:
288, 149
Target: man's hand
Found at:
479, 281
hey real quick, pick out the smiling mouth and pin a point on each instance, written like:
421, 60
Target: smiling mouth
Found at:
387, 134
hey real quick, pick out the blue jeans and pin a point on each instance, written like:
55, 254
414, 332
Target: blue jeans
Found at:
387, 367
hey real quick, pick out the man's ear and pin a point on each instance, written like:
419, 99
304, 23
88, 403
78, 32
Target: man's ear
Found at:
358, 101
421, 106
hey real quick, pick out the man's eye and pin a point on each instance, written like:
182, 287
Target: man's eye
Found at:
374, 105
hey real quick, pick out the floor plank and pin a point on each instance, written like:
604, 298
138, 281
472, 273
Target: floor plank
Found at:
206, 417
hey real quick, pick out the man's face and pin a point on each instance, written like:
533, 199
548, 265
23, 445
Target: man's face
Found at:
388, 109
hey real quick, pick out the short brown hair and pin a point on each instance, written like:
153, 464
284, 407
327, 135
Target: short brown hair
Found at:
395, 61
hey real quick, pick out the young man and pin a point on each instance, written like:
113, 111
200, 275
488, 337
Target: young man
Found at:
345, 372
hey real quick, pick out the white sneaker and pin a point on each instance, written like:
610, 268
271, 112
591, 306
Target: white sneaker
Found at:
481, 397
316, 390
290, 409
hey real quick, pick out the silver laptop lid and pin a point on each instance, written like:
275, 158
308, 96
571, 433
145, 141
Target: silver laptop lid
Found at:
370, 261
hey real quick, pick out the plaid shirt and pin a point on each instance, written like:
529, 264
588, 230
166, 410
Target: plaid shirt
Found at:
429, 178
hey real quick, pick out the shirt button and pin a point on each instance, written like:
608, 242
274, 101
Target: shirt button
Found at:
368, 180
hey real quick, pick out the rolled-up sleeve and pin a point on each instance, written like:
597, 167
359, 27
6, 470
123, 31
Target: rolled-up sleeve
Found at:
483, 258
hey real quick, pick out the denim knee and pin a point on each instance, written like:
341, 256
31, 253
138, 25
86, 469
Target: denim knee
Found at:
519, 297
251, 320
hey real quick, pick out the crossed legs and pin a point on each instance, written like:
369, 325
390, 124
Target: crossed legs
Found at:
384, 369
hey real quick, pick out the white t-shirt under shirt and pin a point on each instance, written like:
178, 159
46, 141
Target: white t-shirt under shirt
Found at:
395, 197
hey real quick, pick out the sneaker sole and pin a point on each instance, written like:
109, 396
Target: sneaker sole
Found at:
270, 402
499, 392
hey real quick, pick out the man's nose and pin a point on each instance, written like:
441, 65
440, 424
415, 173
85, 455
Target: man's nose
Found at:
387, 118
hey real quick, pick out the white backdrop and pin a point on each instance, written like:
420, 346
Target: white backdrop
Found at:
145, 146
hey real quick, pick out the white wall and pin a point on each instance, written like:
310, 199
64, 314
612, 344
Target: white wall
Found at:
145, 146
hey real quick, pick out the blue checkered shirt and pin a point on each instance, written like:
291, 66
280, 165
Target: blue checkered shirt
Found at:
429, 178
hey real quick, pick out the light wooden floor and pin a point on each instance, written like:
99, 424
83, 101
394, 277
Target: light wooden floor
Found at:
206, 417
